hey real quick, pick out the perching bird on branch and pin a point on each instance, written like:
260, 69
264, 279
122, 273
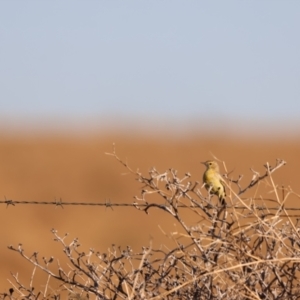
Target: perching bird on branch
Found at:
213, 181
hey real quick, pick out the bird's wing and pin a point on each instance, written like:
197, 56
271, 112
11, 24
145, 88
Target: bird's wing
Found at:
222, 182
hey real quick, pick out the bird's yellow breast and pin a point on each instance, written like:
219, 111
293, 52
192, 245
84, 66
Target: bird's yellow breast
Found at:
211, 178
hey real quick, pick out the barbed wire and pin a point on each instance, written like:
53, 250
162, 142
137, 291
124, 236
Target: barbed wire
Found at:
109, 204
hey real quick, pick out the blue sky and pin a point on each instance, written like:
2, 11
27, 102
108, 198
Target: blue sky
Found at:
162, 62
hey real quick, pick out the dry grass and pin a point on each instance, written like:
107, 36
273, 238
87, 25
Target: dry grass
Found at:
248, 248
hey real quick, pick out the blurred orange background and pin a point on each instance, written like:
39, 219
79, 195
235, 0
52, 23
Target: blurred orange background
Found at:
76, 169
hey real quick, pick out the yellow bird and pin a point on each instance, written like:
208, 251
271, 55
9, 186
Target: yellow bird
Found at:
213, 181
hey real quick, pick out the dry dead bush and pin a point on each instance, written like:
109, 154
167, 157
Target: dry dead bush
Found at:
245, 249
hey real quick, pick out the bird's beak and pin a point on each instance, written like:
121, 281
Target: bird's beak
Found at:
203, 163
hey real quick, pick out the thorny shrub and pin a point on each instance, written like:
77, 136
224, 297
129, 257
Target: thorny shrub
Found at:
239, 250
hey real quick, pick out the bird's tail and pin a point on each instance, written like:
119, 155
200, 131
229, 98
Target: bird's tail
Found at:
222, 200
